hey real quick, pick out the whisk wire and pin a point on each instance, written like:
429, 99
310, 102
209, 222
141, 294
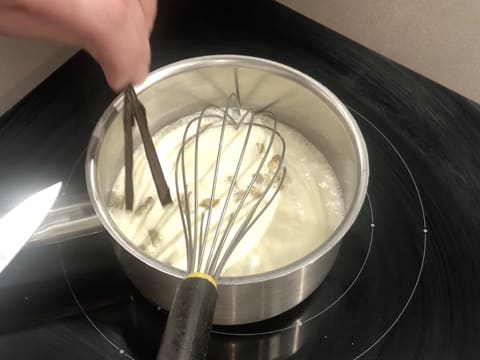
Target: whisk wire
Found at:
184, 205
218, 250
198, 252
246, 226
197, 230
208, 265
189, 231
214, 186
212, 254
195, 188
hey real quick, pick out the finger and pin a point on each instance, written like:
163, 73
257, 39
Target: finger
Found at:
122, 51
149, 9
123, 65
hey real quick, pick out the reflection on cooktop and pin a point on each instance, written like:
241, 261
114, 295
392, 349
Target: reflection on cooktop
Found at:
405, 284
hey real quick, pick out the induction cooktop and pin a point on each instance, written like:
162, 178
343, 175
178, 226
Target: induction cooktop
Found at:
405, 283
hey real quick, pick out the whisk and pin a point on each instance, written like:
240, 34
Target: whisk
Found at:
215, 223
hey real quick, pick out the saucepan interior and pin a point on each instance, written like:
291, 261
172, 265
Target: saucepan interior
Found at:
296, 100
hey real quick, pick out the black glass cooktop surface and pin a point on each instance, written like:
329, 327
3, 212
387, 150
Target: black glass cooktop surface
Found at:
405, 283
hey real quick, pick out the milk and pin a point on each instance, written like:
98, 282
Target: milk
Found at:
307, 208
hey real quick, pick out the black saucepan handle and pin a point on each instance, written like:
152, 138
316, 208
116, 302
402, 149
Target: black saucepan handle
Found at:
187, 333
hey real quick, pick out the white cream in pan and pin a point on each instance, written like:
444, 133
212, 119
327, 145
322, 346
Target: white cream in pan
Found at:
307, 209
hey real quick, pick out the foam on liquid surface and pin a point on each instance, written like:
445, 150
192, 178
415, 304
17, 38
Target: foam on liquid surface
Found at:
305, 212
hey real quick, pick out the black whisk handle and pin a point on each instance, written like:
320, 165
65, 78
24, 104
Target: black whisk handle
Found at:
187, 332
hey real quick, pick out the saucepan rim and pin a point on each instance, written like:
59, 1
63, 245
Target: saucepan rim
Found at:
257, 63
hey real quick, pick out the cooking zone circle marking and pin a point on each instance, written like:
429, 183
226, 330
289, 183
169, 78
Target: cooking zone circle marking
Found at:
299, 323
424, 230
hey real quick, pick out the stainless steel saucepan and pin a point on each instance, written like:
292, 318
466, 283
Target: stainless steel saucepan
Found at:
183, 88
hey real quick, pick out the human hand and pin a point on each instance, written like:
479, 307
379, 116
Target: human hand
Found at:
115, 32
